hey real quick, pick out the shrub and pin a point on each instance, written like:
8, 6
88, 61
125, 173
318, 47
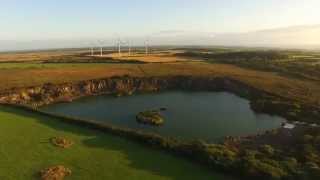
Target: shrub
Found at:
311, 171
267, 169
291, 164
221, 153
267, 149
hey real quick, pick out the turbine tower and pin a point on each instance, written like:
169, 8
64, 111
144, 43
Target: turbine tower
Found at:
91, 50
146, 43
129, 47
119, 46
101, 47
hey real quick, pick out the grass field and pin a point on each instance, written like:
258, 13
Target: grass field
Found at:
24, 137
28, 56
15, 75
154, 57
25, 150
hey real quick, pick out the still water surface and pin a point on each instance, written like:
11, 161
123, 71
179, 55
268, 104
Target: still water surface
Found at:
189, 115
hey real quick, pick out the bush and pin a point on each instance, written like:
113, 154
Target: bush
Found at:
266, 169
221, 154
311, 171
269, 171
267, 149
291, 164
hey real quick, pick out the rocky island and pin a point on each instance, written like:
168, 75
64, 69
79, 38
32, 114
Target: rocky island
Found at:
150, 117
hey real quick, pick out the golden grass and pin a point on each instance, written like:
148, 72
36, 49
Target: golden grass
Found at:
35, 56
22, 77
164, 63
153, 57
301, 90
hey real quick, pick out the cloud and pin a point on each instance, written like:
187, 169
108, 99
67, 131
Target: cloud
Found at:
168, 32
290, 37
295, 36
305, 36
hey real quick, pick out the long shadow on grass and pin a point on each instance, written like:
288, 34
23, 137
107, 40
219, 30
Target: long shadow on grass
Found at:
151, 160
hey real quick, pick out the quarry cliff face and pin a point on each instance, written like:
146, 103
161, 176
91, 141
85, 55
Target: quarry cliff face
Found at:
126, 85
51, 93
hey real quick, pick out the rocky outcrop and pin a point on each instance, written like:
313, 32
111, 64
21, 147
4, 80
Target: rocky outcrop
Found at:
153, 118
260, 100
51, 93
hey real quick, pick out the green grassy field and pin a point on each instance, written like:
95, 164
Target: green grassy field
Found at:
25, 150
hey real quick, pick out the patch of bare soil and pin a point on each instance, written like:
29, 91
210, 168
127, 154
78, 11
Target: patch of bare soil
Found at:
55, 173
61, 142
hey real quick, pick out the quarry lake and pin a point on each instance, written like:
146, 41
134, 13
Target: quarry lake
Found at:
187, 115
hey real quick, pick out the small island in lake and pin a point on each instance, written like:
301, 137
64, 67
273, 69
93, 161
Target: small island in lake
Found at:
150, 117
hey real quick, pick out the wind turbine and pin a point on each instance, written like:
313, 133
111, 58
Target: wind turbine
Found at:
146, 44
128, 42
101, 47
91, 48
119, 46
120, 43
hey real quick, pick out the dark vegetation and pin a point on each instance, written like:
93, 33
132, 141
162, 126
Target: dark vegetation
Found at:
238, 55
297, 64
292, 111
290, 153
292, 69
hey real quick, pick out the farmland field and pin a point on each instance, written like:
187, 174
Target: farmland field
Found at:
100, 155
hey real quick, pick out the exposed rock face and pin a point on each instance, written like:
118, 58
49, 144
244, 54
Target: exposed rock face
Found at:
52, 93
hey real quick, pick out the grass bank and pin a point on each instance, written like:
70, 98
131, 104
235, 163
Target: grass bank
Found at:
25, 149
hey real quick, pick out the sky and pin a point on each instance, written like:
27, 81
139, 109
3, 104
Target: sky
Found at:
56, 21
